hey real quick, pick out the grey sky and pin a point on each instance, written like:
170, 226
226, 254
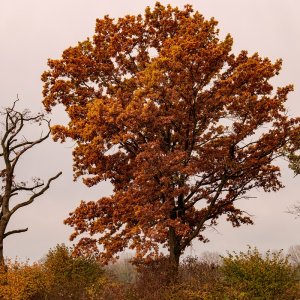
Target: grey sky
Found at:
32, 31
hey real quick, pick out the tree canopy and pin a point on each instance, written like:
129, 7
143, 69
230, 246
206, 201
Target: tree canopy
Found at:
182, 127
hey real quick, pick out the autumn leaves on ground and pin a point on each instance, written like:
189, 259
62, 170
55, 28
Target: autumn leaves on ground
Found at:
183, 129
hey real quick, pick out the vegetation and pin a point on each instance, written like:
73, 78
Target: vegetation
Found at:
65, 273
181, 127
254, 276
12, 148
58, 276
242, 276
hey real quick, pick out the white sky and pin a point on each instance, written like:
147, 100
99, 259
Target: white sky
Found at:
32, 31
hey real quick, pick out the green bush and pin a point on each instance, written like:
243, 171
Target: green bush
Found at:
70, 277
251, 275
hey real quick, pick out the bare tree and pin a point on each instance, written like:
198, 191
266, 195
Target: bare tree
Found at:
13, 146
294, 255
211, 258
295, 210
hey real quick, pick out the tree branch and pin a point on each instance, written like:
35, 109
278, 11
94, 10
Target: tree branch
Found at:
18, 125
30, 145
25, 188
209, 210
35, 195
14, 231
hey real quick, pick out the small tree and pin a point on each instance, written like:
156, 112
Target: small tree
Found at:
13, 146
181, 126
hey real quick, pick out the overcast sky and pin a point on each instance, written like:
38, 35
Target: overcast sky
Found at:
32, 31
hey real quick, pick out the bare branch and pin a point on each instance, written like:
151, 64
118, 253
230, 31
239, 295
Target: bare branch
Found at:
30, 145
17, 122
209, 210
14, 231
13, 146
294, 210
25, 188
35, 195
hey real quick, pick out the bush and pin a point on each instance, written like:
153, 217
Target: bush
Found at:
70, 277
251, 275
21, 281
241, 276
59, 276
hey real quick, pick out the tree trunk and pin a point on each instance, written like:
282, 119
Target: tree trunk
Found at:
3, 267
1, 252
175, 251
3, 225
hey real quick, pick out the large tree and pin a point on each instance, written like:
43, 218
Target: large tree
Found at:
181, 127
15, 194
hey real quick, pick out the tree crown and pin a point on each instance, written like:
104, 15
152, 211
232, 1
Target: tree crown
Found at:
181, 126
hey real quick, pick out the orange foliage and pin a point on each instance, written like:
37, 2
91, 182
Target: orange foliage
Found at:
180, 126
22, 281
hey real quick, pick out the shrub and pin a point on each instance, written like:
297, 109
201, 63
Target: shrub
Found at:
251, 275
59, 276
70, 277
22, 281
239, 276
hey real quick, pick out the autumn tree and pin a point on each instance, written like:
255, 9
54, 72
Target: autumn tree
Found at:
16, 194
183, 128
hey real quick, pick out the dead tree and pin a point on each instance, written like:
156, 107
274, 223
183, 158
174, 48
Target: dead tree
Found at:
13, 146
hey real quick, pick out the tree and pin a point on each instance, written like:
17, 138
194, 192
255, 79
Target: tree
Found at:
13, 146
295, 209
181, 127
